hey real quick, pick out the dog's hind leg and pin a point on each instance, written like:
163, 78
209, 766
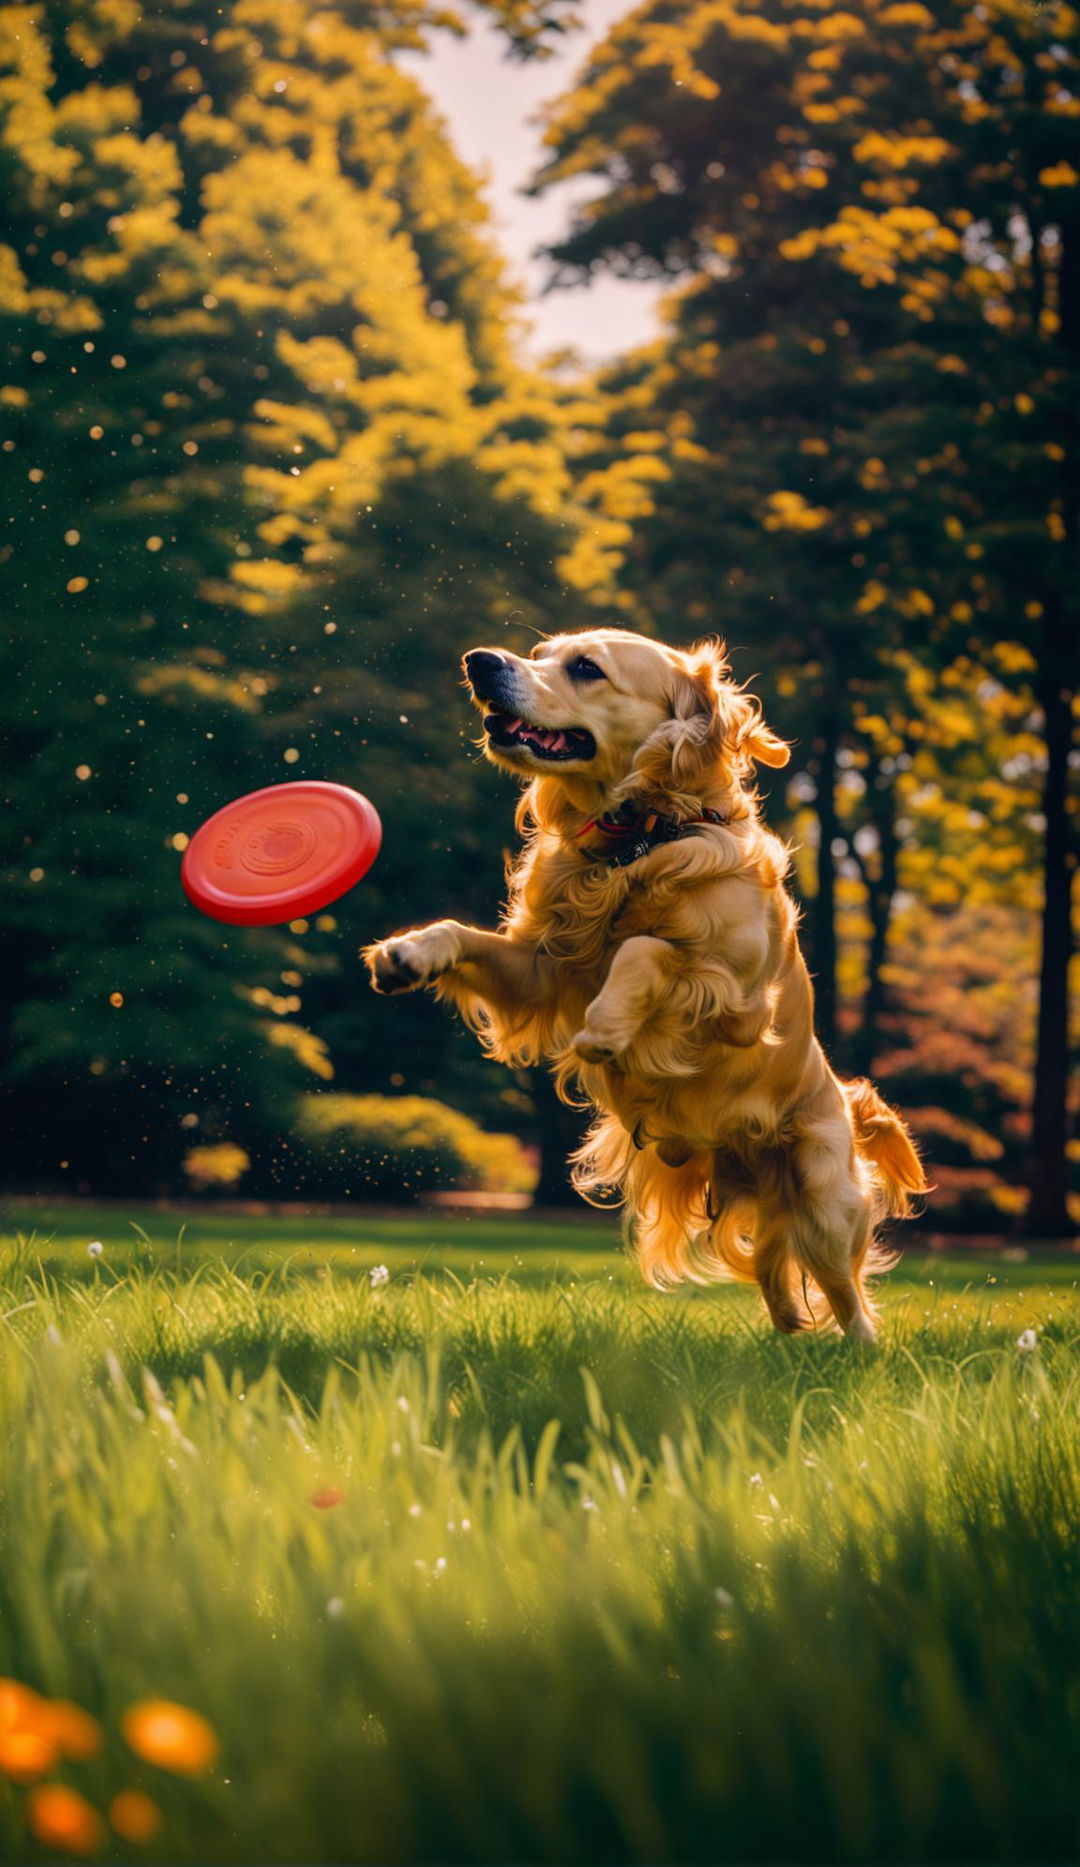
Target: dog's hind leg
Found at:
830, 1247
774, 1267
825, 1220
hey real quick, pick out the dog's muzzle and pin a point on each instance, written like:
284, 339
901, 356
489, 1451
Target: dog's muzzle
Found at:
490, 676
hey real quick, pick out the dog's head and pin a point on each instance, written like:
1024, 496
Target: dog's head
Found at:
622, 714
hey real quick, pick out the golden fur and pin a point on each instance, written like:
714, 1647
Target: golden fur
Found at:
672, 994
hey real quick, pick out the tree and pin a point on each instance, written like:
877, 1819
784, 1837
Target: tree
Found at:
243, 265
982, 107
871, 366
768, 400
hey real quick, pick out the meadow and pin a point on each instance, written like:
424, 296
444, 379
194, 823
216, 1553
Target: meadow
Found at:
504, 1558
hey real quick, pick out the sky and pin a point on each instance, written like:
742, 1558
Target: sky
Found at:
490, 103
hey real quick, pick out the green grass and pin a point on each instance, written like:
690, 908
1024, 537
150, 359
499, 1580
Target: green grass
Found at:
614, 1576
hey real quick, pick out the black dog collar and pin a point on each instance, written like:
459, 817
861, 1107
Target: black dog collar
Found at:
631, 836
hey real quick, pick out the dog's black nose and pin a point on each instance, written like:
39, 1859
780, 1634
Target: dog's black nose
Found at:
482, 665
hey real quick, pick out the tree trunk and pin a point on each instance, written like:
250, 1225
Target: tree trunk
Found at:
823, 915
1047, 1214
881, 891
560, 1130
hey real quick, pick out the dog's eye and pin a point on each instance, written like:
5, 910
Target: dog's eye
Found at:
582, 669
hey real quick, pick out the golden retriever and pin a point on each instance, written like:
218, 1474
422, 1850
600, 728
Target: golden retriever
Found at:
649, 954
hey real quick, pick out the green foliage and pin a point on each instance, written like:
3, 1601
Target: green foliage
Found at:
390, 1147
271, 462
733, 1597
849, 452
258, 376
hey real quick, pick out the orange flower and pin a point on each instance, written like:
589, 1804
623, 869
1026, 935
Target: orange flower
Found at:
25, 1754
327, 1497
61, 1818
28, 1748
171, 1736
74, 1732
36, 1731
18, 1705
134, 1815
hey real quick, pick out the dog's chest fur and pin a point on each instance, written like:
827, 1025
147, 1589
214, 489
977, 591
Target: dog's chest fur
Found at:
578, 913
719, 912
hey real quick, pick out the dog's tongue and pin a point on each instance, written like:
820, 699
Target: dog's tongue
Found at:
543, 735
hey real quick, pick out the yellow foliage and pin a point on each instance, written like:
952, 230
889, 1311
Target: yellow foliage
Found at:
906, 13
839, 26
185, 679
412, 1141
898, 152
221, 1163
791, 512
309, 1050
1061, 175
1013, 658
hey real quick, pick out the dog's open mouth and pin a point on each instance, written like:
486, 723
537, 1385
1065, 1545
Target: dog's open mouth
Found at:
567, 742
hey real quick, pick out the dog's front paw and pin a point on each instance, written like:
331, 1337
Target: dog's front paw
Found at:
412, 959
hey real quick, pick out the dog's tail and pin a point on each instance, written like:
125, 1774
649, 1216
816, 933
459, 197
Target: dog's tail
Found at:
882, 1139
675, 1237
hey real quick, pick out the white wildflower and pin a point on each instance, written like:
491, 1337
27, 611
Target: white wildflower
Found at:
379, 1275
95, 1248
1027, 1341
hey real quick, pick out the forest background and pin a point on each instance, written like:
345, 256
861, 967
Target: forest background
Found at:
274, 453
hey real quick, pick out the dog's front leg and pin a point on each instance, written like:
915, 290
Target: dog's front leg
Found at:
503, 972
638, 980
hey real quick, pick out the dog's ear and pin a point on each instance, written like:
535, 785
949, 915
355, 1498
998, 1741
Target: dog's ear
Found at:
696, 730
757, 741
678, 755
744, 734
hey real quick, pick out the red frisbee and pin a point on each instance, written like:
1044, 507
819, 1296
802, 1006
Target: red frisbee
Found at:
285, 851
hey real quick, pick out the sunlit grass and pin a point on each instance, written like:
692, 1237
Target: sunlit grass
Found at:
502, 1562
